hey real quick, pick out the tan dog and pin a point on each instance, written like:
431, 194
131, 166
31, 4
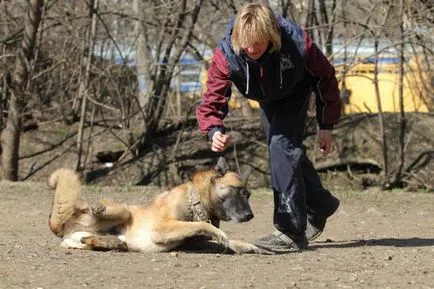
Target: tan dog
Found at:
171, 219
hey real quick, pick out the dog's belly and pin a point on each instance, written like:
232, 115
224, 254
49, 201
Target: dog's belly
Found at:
141, 241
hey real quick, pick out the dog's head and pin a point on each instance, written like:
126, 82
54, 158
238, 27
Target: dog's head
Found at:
231, 196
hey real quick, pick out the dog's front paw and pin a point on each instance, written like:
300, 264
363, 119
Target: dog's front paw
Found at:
241, 247
222, 239
97, 209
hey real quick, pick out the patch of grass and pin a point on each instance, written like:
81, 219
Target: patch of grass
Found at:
425, 191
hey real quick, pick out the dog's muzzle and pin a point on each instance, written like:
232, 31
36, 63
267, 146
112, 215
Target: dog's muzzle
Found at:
244, 217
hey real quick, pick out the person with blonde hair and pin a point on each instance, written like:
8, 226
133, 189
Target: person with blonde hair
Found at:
273, 61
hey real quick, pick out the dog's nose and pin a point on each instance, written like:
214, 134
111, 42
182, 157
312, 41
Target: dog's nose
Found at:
248, 217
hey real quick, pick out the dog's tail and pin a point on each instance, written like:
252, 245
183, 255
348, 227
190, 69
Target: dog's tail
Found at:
67, 185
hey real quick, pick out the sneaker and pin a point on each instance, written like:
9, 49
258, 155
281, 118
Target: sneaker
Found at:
316, 224
282, 241
315, 227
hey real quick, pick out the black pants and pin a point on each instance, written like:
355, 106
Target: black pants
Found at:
296, 185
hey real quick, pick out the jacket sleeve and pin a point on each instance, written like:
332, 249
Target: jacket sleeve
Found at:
214, 106
328, 102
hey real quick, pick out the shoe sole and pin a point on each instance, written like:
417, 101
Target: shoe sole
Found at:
279, 248
274, 248
315, 236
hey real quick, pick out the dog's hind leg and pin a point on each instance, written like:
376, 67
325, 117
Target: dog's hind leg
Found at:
173, 231
67, 187
104, 243
111, 211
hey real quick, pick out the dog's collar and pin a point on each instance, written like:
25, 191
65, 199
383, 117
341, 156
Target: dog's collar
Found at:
196, 206
197, 209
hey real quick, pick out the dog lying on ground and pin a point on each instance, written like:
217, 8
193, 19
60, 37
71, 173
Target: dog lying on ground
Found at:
171, 219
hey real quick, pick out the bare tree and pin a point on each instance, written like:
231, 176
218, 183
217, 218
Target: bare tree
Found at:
84, 87
10, 136
327, 22
175, 30
377, 34
381, 118
86, 60
5, 83
144, 59
398, 177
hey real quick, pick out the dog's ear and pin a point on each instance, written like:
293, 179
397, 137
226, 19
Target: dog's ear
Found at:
222, 166
246, 174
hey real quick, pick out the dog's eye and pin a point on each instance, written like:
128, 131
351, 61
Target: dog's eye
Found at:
244, 192
241, 191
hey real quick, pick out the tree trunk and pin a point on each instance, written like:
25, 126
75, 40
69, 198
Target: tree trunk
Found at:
178, 105
91, 41
381, 118
3, 97
144, 56
398, 177
87, 58
311, 21
10, 136
169, 50
326, 21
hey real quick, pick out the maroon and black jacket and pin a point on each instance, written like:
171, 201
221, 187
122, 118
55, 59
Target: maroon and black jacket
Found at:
275, 75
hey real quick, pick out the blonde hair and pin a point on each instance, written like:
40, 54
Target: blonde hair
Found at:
255, 23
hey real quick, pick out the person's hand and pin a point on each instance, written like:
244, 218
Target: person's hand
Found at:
220, 142
325, 141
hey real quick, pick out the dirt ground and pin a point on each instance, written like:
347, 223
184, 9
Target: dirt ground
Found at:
375, 240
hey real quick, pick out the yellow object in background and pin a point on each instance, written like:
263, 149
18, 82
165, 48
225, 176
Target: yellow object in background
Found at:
359, 94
